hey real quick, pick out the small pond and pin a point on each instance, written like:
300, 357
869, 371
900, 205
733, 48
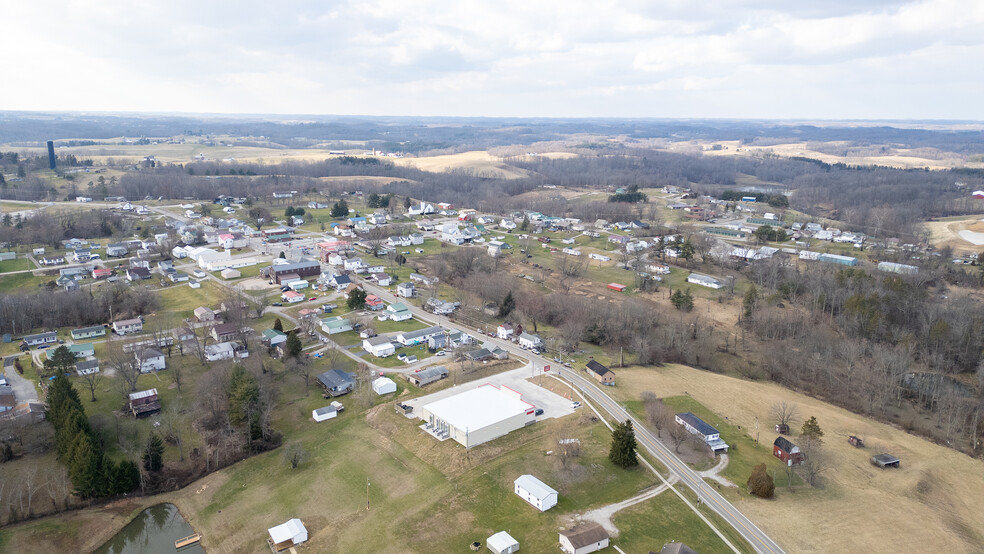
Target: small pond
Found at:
154, 530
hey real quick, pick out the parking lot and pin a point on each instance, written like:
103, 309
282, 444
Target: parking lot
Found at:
553, 405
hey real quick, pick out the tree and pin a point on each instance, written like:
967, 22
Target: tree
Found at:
623, 450
811, 430
293, 346
374, 201
340, 209
62, 361
748, 303
356, 299
278, 325
814, 461
657, 412
683, 301
760, 483
295, 454
525, 225
153, 456
508, 305
678, 434
400, 259
785, 412
259, 216
289, 211
407, 203
92, 379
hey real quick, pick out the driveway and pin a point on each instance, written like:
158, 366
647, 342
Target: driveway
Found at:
24, 390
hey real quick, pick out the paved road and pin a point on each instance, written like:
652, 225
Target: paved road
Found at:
23, 389
707, 494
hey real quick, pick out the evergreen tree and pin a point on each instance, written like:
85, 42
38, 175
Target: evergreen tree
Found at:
340, 209
374, 201
289, 211
525, 225
683, 301
244, 399
278, 325
85, 467
61, 361
356, 299
811, 430
508, 305
128, 476
623, 451
751, 297
153, 456
407, 203
283, 255
293, 345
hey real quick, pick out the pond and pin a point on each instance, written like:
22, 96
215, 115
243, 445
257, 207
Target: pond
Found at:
153, 531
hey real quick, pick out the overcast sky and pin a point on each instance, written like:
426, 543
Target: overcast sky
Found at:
829, 59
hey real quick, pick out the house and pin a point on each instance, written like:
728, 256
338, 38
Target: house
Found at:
502, 543
87, 367
437, 342
383, 385
144, 403
405, 290
224, 332
116, 250
88, 332
410, 338
137, 274
676, 548
150, 359
535, 492
616, 287
584, 538
355, 264
416, 239
427, 376
336, 324
127, 326
423, 209
530, 341
321, 414
599, 257
203, 313
340, 282
601, 373
374, 302
303, 268
286, 535
698, 427
379, 347
220, 351
507, 224
504, 331
382, 279
178, 277
786, 451
292, 297
704, 281
337, 382
273, 337
80, 350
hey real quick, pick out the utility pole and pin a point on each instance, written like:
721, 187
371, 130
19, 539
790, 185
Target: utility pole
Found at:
367, 493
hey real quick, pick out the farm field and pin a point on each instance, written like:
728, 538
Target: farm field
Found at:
478, 161
848, 513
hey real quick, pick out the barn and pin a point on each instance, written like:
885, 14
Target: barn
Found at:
786, 451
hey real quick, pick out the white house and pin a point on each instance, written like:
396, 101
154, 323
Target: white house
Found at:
423, 209
292, 297
220, 351
704, 281
535, 492
383, 385
502, 543
336, 259
150, 360
507, 224
288, 534
405, 290
398, 312
380, 347
127, 326
583, 539
504, 331
356, 265
599, 257
530, 341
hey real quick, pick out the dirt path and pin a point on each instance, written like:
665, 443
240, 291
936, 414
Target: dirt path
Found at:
603, 516
714, 473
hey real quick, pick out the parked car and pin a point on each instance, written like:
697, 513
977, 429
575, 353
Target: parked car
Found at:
278, 304
439, 353
575, 405
539, 411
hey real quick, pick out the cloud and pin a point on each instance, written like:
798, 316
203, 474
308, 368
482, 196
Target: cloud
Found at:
631, 58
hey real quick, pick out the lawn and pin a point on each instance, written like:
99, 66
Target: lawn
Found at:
665, 518
247, 272
22, 282
17, 264
180, 300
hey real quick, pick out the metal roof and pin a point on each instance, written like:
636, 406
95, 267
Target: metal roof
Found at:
585, 534
143, 394
422, 332
784, 444
477, 408
534, 486
336, 379
598, 368
697, 423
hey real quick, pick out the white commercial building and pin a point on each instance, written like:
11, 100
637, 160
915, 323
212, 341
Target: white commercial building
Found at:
479, 415
535, 492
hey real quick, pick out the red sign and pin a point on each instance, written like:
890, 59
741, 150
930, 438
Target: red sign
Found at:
546, 368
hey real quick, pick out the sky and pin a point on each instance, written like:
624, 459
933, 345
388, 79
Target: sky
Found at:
774, 59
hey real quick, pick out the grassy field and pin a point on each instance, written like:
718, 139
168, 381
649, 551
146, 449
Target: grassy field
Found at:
650, 524
180, 300
22, 282
936, 486
17, 264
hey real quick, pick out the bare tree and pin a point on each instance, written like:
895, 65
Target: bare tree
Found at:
126, 365
678, 435
815, 461
658, 413
295, 454
200, 337
785, 413
91, 379
299, 367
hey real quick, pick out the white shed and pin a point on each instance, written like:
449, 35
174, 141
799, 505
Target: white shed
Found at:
535, 492
288, 534
383, 385
321, 414
230, 273
502, 543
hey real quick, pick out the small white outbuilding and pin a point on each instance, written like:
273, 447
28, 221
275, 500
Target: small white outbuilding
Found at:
535, 492
383, 385
230, 273
502, 543
288, 534
321, 414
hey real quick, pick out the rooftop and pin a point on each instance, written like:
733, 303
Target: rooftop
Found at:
534, 486
478, 408
697, 423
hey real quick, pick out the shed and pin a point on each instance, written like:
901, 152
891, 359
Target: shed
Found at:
144, 402
535, 492
502, 543
601, 373
885, 460
383, 385
321, 414
428, 376
287, 534
584, 538
786, 451
230, 273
